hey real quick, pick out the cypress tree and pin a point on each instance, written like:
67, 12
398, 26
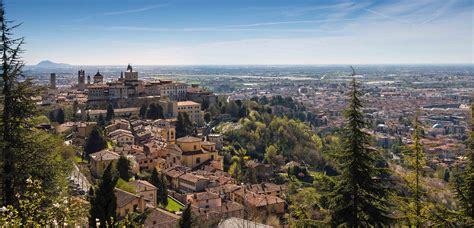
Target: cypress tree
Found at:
94, 143
143, 110
359, 198
163, 190
101, 121
60, 117
104, 202
123, 168
110, 113
186, 218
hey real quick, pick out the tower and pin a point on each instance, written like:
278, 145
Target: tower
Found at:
52, 81
81, 80
88, 79
98, 78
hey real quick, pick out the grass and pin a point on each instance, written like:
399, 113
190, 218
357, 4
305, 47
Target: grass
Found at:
78, 160
109, 145
173, 206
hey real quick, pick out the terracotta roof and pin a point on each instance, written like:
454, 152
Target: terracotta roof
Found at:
161, 218
147, 184
192, 177
123, 197
204, 196
187, 139
104, 155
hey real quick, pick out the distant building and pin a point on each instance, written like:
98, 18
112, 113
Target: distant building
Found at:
193, 110
81, 80
52, 81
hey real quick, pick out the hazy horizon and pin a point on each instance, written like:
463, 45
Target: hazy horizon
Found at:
245, 32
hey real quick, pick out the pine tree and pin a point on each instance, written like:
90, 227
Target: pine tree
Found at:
464, 182
60, 116
123, 168
143, 110
359, 198
17, 104
110, 113
416, 160
186, 218
104, 205
94, 143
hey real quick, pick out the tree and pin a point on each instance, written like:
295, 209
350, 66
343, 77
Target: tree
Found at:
94, 143
101, 121
143, 110
17, 104
207, 117
123, 168
160, 182
416, 161
186, 218
464, 182
60, 116
360, 197
75, 108
184, 126
104, 205
273, 158
154, 112
110, 113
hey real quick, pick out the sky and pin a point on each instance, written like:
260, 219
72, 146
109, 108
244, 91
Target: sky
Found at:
222, 32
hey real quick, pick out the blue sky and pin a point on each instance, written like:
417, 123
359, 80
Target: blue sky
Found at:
146, 32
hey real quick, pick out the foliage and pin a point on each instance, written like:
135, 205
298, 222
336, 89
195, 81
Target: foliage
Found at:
186, 220
184, 126
360, 196
143, 110
123, 168
154, 112
103, 203
95, 142
124, 185
159, 180
464, 181
60, 116
110, 113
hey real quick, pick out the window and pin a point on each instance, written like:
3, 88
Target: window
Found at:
198, 160
195, 147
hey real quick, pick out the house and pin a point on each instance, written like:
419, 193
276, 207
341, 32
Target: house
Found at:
189, 182
193, 110
173, 175
117, 124
128, 202
239, 223
204, 199
195, 152
145, 189
218, 139
121, 137
100, 160
160, 218
258, 204
213, 215
262, 171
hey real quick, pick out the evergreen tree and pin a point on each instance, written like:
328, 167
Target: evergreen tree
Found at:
143, 110
123, 168
360, 197
464, 182
416, 161
186, 220
184, 126
101, 121
75, 108
160, 182
17, 105
60, 116
207, 117
163, 190
110, 113
94, 143
104, 205
154, 112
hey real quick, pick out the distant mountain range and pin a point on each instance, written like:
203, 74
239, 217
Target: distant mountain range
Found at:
50, 64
